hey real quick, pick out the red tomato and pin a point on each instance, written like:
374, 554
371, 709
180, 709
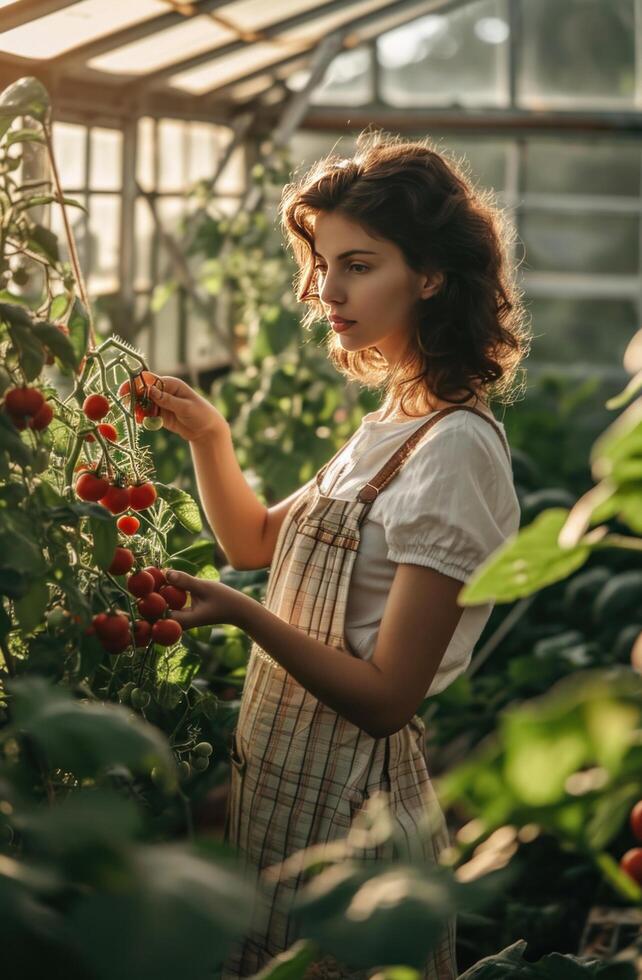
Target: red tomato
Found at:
42, 418
140, 584
22, 402
142, 382
109, 431
113, 631
166, 632
157, 575
143, 496
96, 624
175, 598
116, 499
152, 606
636, 820
631, 863
95, 407
128, 524
122, 561
142, 632
91, 487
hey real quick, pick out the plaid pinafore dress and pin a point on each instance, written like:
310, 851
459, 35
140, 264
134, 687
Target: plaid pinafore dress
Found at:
301, 772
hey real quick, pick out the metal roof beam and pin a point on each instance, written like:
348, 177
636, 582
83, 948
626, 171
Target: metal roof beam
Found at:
127, 35
487, 122
268, 33
436, 6
21, 13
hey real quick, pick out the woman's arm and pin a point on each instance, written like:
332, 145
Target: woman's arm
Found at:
381, 695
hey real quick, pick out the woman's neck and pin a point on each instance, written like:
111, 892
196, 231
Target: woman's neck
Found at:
390, 411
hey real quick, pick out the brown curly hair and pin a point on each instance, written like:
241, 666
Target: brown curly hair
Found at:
472, 334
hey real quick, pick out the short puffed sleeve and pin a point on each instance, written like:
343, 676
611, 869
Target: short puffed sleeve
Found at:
442, 512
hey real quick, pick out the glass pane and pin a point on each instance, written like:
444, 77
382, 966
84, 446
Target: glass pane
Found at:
69, 148
165, 341
104, 229
570, 330
252, 15
580, 52
144, 239
348, 80
484, 160
162, 48
106, 160
78, 222
580, 242
443, 59
232, 179
171, 154
226, 69
597, 167
201, 151
170, 212
306, 147
49, 36
145, 154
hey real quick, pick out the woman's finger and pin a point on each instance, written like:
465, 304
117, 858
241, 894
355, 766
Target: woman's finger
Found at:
166, 401
184, 581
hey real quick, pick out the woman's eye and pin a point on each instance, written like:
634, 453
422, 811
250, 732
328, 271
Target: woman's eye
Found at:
358, 265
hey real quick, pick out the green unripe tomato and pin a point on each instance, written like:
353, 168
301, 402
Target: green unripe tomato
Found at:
204, 749
125, 692
57, 617
200, 763
139, 699
20, 276
184, 770
152, 422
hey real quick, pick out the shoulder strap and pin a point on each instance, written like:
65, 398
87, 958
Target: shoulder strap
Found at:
390, 469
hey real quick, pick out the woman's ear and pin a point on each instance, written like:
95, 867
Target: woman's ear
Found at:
431, 284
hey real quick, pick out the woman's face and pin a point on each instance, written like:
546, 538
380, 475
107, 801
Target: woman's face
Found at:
367, 281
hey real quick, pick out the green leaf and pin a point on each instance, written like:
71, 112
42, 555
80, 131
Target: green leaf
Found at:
39, 200
182, 505
56, 341
78, 329
24, 136
11, 442
30, 350
292, 964
526, 563
5, 622
26, 97
161, 295
59, 306
30, 609
105, 537
45, 242
198, 554
84, 738
178, 917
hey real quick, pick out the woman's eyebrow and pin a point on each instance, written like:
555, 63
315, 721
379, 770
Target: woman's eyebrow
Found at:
352, 251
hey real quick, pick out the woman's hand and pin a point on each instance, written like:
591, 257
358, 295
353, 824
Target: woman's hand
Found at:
186, 413
211, 602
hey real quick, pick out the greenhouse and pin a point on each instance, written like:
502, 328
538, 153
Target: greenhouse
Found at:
320, 483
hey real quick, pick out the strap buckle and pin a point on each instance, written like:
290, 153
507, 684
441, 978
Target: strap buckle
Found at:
367, 496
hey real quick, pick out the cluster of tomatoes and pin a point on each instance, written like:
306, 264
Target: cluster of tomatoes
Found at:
145, 410
156, 599
631, 862
92, 487
26, 407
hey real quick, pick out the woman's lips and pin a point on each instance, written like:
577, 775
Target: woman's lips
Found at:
340, 325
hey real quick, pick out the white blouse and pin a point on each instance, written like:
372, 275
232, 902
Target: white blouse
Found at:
451, 505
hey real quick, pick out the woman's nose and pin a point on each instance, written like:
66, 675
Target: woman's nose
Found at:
330, 290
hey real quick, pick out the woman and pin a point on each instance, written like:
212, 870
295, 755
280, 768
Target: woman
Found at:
361, 620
